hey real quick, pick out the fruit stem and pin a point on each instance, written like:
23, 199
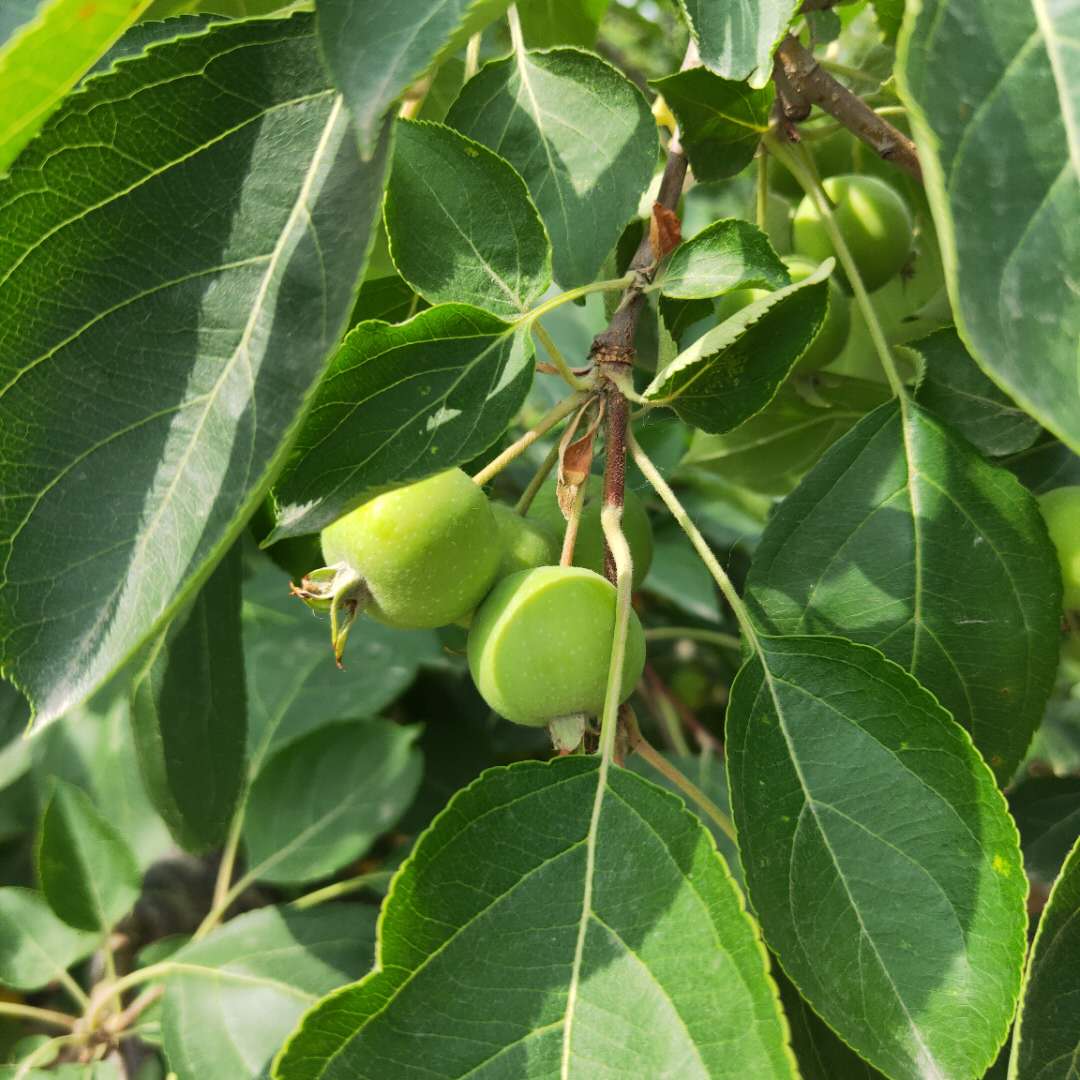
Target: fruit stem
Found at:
678, 512
646, 750
761, 202
566, 557
794, 158
611, 520
557, 359
516, 449
48, 1017
537, 482
342, 888
692, 633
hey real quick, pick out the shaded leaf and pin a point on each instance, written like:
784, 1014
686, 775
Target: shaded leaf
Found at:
42, 57
36, 948
998, 132
1046, 1044
878, 855
955, 389
734, 370
1047, 813
904, 538
189, 714
726, 255
678, 575
193, 350
461, 224
560, 22
235, 995
15, 749
323, 799
88, 873
375, 49
559, 947
1047, 465
387, 299
720, 122
400, 403
294, 687
582, 138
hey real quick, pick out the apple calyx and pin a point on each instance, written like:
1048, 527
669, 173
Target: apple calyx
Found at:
340, 590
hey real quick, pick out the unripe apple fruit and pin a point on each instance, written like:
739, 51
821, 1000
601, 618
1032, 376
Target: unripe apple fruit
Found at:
873, 220
589, 545
426, 553
1061, 509
540, 645
833, 334
526, 542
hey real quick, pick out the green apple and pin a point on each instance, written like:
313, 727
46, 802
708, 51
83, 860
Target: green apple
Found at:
833, 334
832, 155
1061, 510
426, 554
589, 546
873, 220
526, 542
540, 645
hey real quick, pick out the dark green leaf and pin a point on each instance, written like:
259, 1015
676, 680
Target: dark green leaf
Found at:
43, 56
150, 374
461, 224
399, 403
726, 255
559, 946
582, 138
15, 748
998, 132
236, 995
1046, 1045
189, 714
720, 122
387, 299
903, 537
36, 948
959, 393
889, 15
734, 370
737, 40
294, 687
878, 854
323, 799
1046, 465
377, 48
1047, 813
679, 576
88, 873
560, 22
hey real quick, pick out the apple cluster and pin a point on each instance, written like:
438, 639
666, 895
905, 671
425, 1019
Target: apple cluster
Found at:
438, 552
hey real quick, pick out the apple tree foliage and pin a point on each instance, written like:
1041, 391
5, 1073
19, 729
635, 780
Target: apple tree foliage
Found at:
261, 263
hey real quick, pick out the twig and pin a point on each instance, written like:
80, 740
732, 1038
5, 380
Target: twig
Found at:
811, 82
557, 358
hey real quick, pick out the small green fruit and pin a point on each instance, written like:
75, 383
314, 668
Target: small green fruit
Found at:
778, 222
1061, 509
833, 334
589, 546
526, 542
540, 645
427, 553
873, 220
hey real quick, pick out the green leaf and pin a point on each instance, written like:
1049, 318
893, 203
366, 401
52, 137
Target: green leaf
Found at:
889, 15
771, 451
36, 948
720, 122
878, 854
42, 58
582, 138
679, 576
1046, 465
189, 714
233, 997
192, 351
903, 537
1047, 813
377, 48
734, 370
322, 800
461, 224
738, 40
1046, 1044
726, 255
388, 299
959, 393
15, 750
88, 873
559, 946
399, 403
545, 23
998, 131
293, 685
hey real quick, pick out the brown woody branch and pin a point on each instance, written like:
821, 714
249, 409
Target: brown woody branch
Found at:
799, 75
